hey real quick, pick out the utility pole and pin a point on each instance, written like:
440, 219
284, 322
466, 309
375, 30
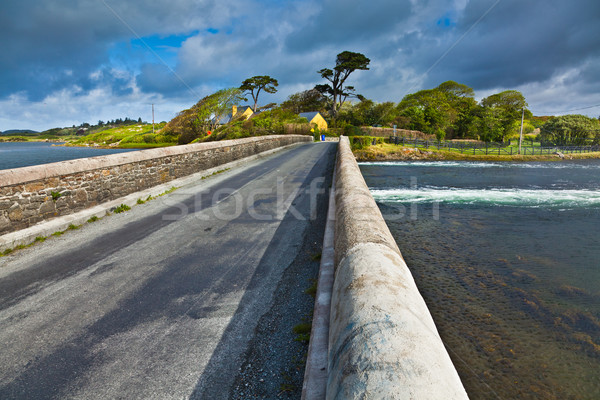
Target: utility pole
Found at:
521, 135
153, 118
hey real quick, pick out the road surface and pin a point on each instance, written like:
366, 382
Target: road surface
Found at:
159, 302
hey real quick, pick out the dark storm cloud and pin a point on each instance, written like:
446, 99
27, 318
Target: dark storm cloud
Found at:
79, 53
519, 42
341, 22
49, 45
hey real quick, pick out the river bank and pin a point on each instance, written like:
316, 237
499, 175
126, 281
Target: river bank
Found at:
504, 255
391, 152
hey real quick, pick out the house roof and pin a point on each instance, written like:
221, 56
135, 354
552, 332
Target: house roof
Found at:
309, 115
222, 119
242, 109
226, 118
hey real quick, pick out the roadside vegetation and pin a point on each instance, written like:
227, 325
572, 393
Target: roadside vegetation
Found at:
72, 227
383, 151
446, 112
130, 136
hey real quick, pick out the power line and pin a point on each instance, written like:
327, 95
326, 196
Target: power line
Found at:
192, 91
456, 42
567, 111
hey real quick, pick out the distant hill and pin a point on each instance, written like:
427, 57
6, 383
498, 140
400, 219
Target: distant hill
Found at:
19, 132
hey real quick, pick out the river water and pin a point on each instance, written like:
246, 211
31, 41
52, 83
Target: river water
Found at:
507, 257
24, 154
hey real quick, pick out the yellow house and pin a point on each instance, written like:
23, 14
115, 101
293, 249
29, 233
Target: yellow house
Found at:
244, 111
315, 118
236, 112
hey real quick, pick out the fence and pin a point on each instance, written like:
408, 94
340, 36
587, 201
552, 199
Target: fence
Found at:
490, 148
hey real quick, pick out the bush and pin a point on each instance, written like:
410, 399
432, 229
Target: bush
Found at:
351, 130
187, 136
360, 142
121, 208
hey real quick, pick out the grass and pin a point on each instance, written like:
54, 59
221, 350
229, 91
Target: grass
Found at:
286, 385
121, 208
117, 210
302, 331
171, 190
134, 136
37, 138
215, 173
312, 289
55, 195
390, 152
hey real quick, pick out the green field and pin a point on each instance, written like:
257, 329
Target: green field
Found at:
129, 136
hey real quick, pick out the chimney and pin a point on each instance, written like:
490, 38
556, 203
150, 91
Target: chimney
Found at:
233, 111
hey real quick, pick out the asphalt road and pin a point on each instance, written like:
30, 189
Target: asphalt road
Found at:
160, 302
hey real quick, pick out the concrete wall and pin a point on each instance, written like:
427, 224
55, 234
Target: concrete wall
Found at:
26, 194
383, 343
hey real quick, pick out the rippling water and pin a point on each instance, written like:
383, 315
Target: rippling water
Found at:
507, 257
24, 154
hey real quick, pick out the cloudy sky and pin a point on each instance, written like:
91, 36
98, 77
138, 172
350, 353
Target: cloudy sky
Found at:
65, 62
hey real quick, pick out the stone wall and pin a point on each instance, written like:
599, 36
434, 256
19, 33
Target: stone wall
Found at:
383, 343
33, 194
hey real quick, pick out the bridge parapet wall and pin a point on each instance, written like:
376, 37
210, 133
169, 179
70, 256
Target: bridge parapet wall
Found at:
383, 343
39, 193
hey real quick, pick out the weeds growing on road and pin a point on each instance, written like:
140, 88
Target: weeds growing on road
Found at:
303, 332
72, 227
215, 173
312, 289
38, 239
173, 188
287, 385
121, 208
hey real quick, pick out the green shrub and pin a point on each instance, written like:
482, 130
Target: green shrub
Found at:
360, 142
121, 208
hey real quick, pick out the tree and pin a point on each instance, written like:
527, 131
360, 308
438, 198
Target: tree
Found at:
462, 103
507, 106
367, 112
432, 108
306, 101
571, 130
254, 85
204, 116
346, 63
487, 123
